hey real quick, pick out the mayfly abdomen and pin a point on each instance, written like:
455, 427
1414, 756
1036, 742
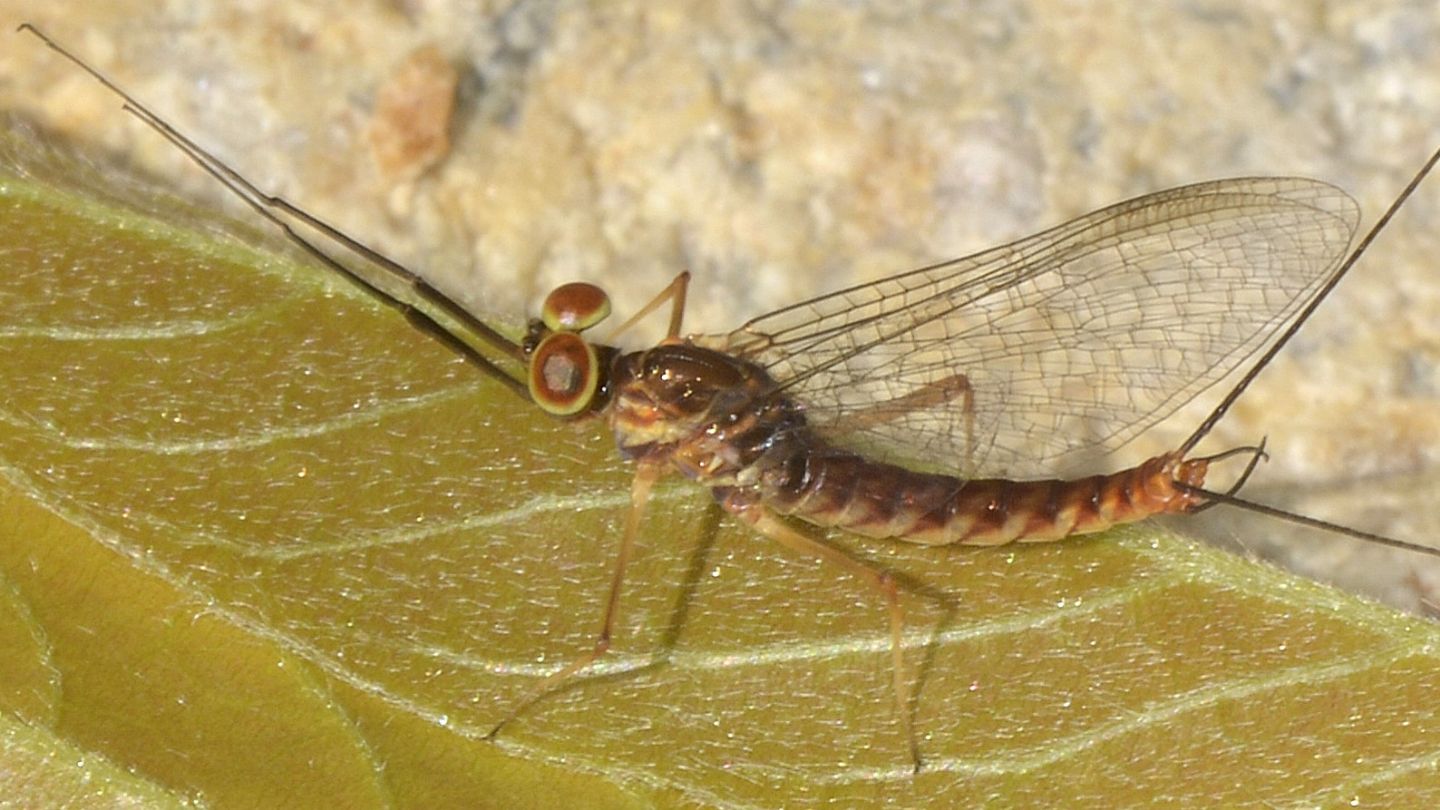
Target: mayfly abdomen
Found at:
720, 421
848, 491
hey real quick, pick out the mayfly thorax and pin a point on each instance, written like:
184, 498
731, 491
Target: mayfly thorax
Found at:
921, 407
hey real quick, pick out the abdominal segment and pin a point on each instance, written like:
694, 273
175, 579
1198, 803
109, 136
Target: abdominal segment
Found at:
847, 491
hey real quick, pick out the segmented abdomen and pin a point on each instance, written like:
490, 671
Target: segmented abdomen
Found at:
832, 488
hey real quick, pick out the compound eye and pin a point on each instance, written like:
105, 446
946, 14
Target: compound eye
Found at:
574, 307
564, 374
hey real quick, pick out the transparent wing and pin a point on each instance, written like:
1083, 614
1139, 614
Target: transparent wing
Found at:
1036, 358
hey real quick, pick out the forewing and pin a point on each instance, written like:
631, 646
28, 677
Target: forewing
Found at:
1035, 358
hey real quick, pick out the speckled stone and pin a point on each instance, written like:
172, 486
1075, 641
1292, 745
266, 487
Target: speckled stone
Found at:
779, 149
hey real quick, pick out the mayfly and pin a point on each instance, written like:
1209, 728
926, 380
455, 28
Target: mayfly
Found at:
937, 406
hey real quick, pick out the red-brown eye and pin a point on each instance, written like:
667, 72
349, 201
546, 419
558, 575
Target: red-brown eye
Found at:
574, 307
564, 374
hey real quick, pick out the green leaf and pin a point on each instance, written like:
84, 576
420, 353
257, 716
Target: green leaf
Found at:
262, 544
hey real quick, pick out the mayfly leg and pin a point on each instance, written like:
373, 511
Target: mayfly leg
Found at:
645, 477
765, 522
646, 474
776, 529
930, 395
675, 293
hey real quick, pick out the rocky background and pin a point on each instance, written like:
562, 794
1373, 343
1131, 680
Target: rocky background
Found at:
780, 149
